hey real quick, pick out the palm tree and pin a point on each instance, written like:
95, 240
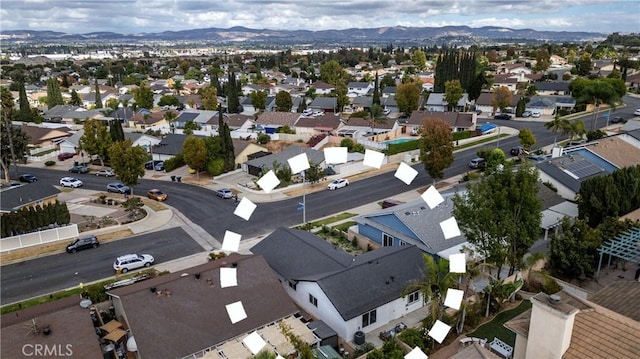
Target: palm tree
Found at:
434, 284
171, 117
599, 92
474, 270
558, 124
576, 128
265, 354
376, 116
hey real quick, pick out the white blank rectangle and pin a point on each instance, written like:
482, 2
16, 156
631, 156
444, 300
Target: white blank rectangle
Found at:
254, 342
450, 228
406, 173
298, 163
416, 353
432, 197
231, 241
335, 155
228, 277
245, 209
458, 263
236, 312
453, 298
268, 182
373, 158
439, 331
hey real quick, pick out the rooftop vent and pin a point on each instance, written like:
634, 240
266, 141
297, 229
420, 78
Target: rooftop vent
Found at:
554, 299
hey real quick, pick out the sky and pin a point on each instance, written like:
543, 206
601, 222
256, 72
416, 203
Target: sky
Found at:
145, 16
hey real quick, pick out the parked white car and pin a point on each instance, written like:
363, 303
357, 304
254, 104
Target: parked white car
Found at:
338, 183
132, 261
636, 112
535, 114
70, 182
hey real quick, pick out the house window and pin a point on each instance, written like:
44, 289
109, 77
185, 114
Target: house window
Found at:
313, 300
368, 318
402, 243
387, 240
413, 297
292, 284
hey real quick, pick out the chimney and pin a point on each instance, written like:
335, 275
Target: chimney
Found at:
550, 327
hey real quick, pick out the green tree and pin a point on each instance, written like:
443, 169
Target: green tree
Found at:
116, 131
501, 98
573, 251
112, 103
96, 139
283, 101
263, 138
376, 116
98, 99
228, 154
171, 117
520, 107
584, 64
24, 113
341, 96
527, 138
408, 97
436, 147
195, 155
128, 162
232, 89
543, 60
259, 100
209, 95
332, 73
576, 129
302, 348
599, 92
143, 96
265, 354
54, 96
419, 60
13, 142
75, 99
558, 124
433, 286
500, 214
177, 87
191, 126
314, 173
376, 91
453, 93
168, 100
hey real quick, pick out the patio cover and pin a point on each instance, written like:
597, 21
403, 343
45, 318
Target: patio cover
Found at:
276, 339
234, 349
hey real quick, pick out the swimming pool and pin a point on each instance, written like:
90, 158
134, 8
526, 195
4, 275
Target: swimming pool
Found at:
400, 140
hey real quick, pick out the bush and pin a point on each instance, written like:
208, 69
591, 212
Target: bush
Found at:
174, 162
394, 148
263, 138
50, 163
541, 282
461, 135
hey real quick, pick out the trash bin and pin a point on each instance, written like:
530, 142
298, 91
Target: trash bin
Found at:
358, 337
179, 179
173, 178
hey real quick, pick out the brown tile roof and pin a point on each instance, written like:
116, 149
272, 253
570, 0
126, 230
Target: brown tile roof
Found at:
326, 122
38, 134
70, 325
194, 316
363, 122
236, 120
454, 119
278, 118
153, 117
617, 151
620, 297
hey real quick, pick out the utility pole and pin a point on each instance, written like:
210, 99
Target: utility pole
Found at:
304, 200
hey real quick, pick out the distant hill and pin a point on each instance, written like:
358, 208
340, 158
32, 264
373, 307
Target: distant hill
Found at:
462, 35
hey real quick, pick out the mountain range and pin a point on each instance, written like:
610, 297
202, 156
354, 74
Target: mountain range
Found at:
461, 35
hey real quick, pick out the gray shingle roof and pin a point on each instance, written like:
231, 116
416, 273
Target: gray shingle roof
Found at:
14, 198
324, 103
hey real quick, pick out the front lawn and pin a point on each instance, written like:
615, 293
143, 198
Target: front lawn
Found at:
495, 328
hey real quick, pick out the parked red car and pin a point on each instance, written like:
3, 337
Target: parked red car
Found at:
65, 155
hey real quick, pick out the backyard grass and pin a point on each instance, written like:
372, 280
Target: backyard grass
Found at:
495, 328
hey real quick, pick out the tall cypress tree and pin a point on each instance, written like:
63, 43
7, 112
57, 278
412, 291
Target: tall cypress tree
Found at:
226, 143
98, 97
233, 102
24, 114
376, 91
54, 96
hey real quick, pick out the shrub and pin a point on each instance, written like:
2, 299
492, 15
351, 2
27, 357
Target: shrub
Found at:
263, 138
50, 163
394, 148
542, 282
174, 162
461, 135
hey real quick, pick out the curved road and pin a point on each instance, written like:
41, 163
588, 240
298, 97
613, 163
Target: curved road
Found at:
215, 216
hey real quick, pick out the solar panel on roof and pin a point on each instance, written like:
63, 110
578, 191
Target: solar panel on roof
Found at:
187, 116
582, 168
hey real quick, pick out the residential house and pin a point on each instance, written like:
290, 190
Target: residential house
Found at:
324, 104
243, 149
41, 136
27, 195
390, 104
558, 61
325, 124
355, 89
191, 101
411, 223
322, 88
144, 120
517, 68
270, 121
254, 166
484, 103
356, 127
436, 103
388, 91
556, 88
348, 293
73, 334
237, 121
633, 81
247, 105
507, 80
458, 121
565, 326
361, 103
170, 145
206, 119
187, 314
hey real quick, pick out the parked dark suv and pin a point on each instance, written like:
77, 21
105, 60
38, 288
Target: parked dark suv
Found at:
65, 155
83, 243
